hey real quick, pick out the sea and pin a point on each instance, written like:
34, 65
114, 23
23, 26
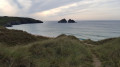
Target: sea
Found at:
92, 29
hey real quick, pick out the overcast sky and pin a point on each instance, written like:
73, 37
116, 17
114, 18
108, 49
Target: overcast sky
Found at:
58, 9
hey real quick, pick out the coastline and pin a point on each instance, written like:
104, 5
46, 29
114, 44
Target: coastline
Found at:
19, 48
17, 44
9, 21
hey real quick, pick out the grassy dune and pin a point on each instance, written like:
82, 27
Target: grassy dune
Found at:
109, 52
61, 52
20, 49
17, 37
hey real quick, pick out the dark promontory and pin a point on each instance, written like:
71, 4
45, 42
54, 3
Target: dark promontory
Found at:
62, 21
9, 21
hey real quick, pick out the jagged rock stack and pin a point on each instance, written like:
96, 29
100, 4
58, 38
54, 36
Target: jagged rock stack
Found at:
62, 21
71, 21
65, 21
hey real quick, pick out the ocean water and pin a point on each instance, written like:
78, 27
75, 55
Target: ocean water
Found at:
94, 30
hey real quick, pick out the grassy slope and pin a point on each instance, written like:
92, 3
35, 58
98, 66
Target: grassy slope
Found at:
109, 52
21, 49
63, 51
17, 37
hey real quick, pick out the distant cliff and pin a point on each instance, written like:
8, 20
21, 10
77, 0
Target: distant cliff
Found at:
9, 21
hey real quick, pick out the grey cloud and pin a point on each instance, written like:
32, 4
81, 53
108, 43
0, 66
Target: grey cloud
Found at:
43, 5
29, 7
18, 4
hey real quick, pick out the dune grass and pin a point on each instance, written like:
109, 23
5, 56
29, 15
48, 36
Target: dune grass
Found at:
109, 52
21, 49
17, 37
63, 51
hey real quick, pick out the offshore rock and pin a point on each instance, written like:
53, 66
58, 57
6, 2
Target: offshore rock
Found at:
62, 21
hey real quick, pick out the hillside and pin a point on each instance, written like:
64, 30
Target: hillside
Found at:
21, 49
109, 52
18, 37
9, 21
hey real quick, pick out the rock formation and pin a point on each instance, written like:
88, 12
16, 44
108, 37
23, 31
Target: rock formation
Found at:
65, 21
62, 21
71, 21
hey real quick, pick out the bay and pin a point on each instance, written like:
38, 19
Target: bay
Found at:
94, 30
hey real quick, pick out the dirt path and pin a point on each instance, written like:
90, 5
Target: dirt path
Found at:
96, 61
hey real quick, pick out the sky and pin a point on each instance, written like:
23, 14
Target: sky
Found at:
58, 9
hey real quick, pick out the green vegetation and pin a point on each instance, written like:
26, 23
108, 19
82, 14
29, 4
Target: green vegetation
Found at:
17, 37
109, 52
61, 52
9, 21
20, 49
89, 41
5, 20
